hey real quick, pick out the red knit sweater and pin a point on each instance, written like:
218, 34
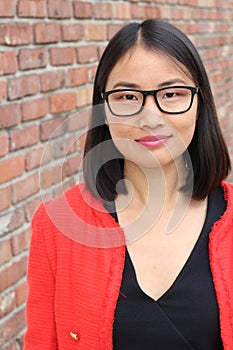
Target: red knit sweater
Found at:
75, 269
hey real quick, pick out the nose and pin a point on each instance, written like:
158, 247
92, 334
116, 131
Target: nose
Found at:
151, 116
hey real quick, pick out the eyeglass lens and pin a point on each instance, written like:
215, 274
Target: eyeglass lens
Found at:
170, 100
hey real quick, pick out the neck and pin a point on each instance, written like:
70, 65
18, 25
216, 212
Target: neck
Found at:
156, 183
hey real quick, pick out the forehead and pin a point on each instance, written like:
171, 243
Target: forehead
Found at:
140, 64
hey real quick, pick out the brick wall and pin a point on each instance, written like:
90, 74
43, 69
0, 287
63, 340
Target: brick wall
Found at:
49, 50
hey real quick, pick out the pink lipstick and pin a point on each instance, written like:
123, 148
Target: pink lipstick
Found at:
151, 141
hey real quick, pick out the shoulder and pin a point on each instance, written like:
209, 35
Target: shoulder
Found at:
77, 201
228, 194
79, 216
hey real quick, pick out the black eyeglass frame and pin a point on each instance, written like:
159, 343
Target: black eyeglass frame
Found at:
145, 93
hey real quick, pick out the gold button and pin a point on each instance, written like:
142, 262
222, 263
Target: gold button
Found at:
74, 336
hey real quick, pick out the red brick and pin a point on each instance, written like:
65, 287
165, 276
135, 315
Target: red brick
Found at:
101, 49
14, 345
95, 31
12, 220
79, 120
52, 80
10, 115
7, 303
11, 274
14, 34
25, 188
87, 54
53, 128
103, 11
84, 96
83, 9
72, 32
51, 176
112, 29
7, 8
47, 33
32, 8
5, 198
21, 293
72, 165
66, 185
11, 168
60, 9
23, 86
20, 241
4, 144
62, 56
92, 73
77, 76
138, 11
5, 249
31, 59
36, 157
82, 141
9, 62
121, 10
20, 341
3, 90
62, 102
10, 327
31, 207
64, 147
35, 109
21, 138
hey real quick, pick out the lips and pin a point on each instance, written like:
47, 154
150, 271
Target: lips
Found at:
151, 141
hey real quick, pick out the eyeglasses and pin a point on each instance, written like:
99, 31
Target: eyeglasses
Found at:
170, 100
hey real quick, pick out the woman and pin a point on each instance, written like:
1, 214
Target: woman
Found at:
140, 255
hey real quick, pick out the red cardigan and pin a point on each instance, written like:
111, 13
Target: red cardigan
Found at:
75, 269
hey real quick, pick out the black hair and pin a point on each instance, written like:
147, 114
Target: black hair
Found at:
207, 151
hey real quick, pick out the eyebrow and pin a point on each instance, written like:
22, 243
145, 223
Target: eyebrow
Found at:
161, 85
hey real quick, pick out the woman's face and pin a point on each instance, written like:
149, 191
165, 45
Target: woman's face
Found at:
152, 137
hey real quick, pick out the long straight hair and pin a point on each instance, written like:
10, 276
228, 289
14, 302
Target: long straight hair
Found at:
207, 150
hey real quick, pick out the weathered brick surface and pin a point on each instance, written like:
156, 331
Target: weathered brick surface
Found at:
3, 90
49, 50
34, 109
47, 33
60, 9
31, 59
7, 8
77, 76
4, 144
87, 54
83, 9
14, 34
10, 114
32, 8
11, 168
23, 86
62, 102
21, 138
72, 32
52, 80
5, 198
9, 62
62, 56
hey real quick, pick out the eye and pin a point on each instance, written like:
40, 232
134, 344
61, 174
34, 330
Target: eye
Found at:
124, 96
130, 97
169, 95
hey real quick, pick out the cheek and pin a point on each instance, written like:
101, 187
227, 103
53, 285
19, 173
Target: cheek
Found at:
120, 131
185, 127
186, 135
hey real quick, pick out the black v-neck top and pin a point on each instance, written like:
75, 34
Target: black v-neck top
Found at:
186, 316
